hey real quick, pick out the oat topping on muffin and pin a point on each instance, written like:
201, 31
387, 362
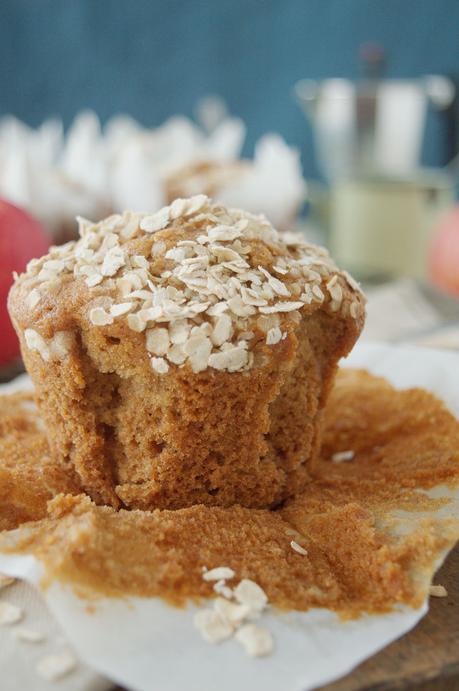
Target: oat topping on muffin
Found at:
201, 281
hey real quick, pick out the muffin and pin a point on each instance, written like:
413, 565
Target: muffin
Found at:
185, 357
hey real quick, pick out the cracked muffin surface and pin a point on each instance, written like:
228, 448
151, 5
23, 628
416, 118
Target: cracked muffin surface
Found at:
185, 357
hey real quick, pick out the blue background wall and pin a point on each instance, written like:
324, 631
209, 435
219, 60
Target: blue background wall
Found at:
156, 58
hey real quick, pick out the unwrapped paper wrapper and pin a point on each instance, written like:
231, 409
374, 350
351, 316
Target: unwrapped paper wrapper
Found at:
145, 644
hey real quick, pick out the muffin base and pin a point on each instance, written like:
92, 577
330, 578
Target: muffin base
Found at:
142, 440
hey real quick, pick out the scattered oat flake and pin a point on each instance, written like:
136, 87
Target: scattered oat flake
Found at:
159, 364
231, 612
28, 635
280, 270
178, 207
99, 317
318, 292
113, 260
33, 298
198, 348
212, 628
221, 588
257, 641
221, 233
342, 456
352, 282
251, 594
438, 591
233, 359
54, 667
157, 341
61, 344
336, 293
196, 203
151, 224
218, 574
6, 580
354, 310
298, 548
121, 308
176, 354
37, 343
332, 281
139, 261
273, 336
136, 323
281, 307
222, 330
9, 614
94, 279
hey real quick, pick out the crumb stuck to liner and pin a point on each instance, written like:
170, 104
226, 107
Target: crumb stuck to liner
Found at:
228, 619
357, 561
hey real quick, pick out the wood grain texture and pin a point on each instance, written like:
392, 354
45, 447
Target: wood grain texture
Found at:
427, 658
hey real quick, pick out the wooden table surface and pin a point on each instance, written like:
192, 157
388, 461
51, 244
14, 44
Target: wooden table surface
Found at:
427, 658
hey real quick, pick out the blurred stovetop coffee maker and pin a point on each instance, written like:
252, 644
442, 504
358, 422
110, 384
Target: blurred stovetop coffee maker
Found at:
379, 208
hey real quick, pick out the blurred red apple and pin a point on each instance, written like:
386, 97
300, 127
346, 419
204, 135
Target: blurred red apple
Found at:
444, 254
21, 239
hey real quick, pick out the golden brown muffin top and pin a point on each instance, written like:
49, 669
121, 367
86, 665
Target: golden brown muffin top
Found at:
200, 280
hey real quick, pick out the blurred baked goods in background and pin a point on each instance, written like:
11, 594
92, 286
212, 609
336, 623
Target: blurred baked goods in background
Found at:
92, 171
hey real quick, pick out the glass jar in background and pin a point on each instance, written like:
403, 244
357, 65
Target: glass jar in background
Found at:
381, 226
